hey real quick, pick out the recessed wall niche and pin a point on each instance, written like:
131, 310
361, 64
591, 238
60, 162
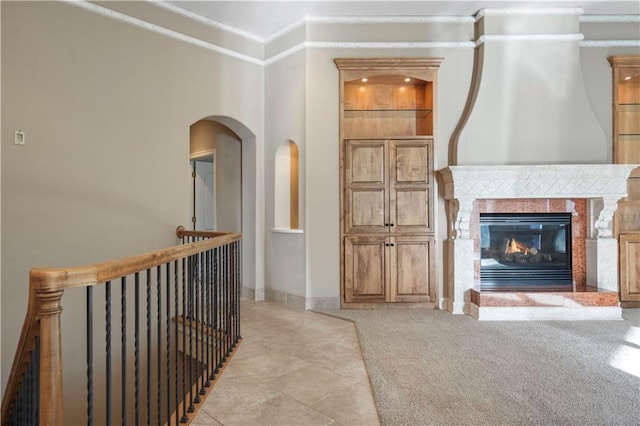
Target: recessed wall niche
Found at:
286, 188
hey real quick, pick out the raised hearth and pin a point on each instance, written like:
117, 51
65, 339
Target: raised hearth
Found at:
601, 185
590, 303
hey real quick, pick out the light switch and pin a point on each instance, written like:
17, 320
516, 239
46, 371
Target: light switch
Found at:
18, 138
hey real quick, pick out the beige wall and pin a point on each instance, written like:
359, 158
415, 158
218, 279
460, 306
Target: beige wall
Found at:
106, 108
285, 116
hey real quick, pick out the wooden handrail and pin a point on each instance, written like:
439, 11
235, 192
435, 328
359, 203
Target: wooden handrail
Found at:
44, 309
182, 232
107, 271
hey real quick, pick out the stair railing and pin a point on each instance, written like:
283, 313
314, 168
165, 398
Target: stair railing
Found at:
190, 304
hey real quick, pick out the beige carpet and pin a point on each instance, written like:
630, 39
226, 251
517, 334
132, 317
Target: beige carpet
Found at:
431, 367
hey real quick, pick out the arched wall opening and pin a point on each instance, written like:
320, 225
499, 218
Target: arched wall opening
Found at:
235, 151
286, 187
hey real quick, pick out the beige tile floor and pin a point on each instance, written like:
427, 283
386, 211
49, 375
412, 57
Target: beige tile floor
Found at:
293, 367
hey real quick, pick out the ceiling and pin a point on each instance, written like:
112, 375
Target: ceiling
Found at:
263, 18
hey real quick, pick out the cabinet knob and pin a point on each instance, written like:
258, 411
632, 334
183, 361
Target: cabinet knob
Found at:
391, 224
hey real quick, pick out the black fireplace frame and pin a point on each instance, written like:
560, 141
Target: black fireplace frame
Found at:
524, 278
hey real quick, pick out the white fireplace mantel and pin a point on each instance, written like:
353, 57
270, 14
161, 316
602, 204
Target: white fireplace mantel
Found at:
601, 184
605, 183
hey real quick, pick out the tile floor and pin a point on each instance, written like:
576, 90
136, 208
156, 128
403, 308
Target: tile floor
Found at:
293, 368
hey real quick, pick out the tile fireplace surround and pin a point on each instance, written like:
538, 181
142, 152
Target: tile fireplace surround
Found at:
601, 185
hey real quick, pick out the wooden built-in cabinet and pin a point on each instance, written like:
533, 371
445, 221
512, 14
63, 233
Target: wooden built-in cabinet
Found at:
626, 150
630, 269
387, 168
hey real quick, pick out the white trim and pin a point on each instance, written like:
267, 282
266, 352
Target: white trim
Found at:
528, 37
121, 17
202, 154
387, 44
604, 19
423, 19
369, 20
610, 43
204, 20
530, 11
287, 231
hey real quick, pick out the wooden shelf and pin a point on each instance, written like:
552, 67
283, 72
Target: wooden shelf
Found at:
387, 113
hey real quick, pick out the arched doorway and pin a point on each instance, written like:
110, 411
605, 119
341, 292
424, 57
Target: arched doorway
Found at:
237, 195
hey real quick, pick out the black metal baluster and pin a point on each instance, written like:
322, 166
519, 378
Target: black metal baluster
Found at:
201, 323
236, 303
90, 355
123, 341
192, 273
37, 380
225, 305
175, 363
168, 321
137, 349
159, 344
212, 328
26, 387
208, 314
197, 306
184, 418
231, 300
108, 348
216, 307
148, 347
238, 288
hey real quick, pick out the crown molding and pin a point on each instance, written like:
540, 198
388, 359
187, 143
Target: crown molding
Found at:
369, 20
528, 37
121, 17
610, 43
606, 19
204, 20
529, 11
390, 19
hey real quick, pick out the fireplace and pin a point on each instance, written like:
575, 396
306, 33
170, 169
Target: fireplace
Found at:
525, 251
599, 185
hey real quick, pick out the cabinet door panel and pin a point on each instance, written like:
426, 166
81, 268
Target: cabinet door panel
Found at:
365, 270
367, 210
367, 162
366, 178
629, 267
410, 182
411, 165
411, 210
411, 275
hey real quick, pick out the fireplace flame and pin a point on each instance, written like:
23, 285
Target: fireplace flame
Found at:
515, 246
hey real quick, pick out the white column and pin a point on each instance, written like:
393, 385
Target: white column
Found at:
602, 263
460, 277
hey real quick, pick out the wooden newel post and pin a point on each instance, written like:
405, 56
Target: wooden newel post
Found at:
49, 309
